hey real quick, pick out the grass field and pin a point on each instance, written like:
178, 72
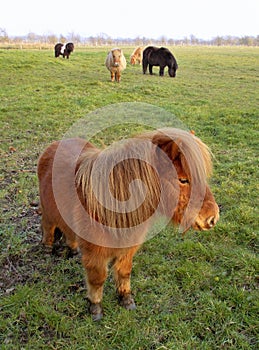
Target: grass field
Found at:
200, 292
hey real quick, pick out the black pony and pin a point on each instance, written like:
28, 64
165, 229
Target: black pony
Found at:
64, 49
162, 57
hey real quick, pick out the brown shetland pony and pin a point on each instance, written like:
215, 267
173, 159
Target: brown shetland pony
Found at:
136, 56
104, 201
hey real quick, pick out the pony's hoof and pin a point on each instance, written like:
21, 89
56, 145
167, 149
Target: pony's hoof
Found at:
47, 249
96, 311
127, 301
72, 252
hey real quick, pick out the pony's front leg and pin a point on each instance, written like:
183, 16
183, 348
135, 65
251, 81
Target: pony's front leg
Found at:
122, 271
118, 76
96, 274
161, 71
112, 76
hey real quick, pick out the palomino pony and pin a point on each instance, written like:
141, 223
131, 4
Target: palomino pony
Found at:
104, 201
115, 63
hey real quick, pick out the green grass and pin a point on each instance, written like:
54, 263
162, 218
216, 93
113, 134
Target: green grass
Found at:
200, 292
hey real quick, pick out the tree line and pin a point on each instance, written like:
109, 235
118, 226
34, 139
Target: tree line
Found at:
104, 39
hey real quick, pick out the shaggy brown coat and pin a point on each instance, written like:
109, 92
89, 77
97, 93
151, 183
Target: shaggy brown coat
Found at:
162, 172
136, 56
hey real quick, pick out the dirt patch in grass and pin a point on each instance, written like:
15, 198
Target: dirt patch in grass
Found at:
17, 268
28, 264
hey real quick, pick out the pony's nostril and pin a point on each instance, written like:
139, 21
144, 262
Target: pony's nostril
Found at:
211, 221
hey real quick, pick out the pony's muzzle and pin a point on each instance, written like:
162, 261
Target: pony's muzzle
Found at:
210, 222
116, 64
206, 223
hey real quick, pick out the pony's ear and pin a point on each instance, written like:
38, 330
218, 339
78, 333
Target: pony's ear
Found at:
169, 146
175, 149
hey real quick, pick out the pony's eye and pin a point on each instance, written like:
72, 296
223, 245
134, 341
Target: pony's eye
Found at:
184, 181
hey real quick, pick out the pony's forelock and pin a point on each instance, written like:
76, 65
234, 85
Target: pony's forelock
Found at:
196, 155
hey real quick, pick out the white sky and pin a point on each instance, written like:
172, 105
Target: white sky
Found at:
131, 18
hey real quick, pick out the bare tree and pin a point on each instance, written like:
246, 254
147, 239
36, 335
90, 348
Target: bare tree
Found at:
52, 39
62, 38
75, 38
3, 35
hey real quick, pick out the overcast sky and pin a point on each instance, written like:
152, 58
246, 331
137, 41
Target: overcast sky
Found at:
204, 19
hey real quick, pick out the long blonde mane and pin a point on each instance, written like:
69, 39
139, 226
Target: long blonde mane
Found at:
129, 173
105, 180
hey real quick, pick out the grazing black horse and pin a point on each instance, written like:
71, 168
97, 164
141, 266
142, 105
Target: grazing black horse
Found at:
162, 57
64, 49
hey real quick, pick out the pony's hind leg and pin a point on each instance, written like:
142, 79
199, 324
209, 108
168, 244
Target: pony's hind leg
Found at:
122, 271
48, 233
144, 66
71, 240
72, 243
96, 274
